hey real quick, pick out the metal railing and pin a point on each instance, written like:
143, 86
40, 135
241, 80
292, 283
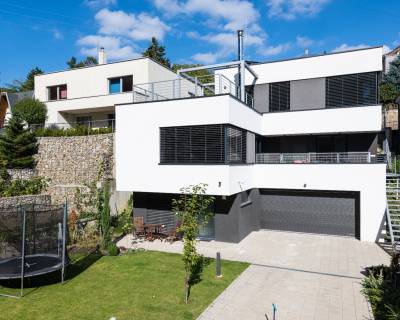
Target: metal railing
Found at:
318, 158
188, 87
87, 125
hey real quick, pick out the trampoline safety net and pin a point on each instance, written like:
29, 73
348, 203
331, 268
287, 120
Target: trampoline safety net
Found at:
32, 240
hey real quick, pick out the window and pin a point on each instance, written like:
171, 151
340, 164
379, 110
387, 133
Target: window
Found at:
279, 96
83, 120
57, 92
111, 120
120, 84
352, 90
202, 144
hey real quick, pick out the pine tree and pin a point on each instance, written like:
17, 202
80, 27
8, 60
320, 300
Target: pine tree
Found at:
157, 52
390, 86
17, 145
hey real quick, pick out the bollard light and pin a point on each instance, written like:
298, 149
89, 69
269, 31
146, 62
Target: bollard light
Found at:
218, 265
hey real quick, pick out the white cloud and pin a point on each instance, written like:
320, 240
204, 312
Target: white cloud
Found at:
291, 9
114, 47
137, 27
346, 47
99, 3
274, 50
304, 42
57, 34
236, 14
206, 58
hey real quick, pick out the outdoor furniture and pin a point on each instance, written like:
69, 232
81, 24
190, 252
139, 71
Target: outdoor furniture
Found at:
152, 231
139, 228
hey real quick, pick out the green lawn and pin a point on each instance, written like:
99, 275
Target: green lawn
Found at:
143, 285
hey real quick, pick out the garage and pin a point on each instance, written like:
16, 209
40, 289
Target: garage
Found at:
321, 212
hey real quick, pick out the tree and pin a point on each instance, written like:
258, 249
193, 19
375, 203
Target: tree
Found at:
88, 61
32, 111
18, 145
105, 217
193, 209
28, 84
157, 52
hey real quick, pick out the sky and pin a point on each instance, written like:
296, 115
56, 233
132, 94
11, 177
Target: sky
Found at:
48, 33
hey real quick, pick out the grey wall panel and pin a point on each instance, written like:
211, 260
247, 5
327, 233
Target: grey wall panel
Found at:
261, 97
307, 94
311, 212
251, 147
233, 222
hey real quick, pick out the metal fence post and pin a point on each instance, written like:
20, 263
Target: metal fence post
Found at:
64, 240
23, 250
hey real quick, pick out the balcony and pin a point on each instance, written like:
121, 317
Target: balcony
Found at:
188, 87
320, 158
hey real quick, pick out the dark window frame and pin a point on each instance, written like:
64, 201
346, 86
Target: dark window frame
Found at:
125, 83
54, 96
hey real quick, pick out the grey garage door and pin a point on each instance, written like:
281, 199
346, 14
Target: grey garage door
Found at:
319, 212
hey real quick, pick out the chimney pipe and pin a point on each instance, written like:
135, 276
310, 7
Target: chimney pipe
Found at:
102, 56
240, 35
241, 69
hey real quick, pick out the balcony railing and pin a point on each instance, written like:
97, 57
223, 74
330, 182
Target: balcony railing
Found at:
188, 87
107, 125
319, 158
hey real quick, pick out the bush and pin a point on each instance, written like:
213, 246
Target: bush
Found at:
31, 110
70, 132
19, 187
112, 249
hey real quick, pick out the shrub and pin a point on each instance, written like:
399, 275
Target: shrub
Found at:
31, 110
70, 132
105, 216
112, 249
19, 187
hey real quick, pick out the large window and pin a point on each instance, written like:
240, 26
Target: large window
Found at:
203, 144
120, 84
352, 90
279, 96
57, 92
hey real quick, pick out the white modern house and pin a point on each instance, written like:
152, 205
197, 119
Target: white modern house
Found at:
88, 95
294, 145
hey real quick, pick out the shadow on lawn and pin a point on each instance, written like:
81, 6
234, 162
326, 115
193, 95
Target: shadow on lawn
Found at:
74, 268
197, 271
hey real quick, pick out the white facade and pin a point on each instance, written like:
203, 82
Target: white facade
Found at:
357, 61
137, 144
88, 88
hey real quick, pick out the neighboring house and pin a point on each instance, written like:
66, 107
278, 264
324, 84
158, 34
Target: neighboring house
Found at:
299, 150
389, 57
7, 101
88, 95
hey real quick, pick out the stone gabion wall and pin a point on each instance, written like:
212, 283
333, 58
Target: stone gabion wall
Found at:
24, 200
74, 162
21, 174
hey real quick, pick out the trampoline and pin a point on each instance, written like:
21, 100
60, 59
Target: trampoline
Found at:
32, 242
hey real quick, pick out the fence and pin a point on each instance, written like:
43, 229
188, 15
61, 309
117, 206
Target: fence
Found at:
89, 127
188, 87
319, 158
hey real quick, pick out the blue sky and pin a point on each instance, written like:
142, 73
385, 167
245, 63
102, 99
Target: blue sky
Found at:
47, 33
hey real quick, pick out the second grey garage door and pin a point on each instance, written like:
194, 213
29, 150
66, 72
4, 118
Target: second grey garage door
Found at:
335, 213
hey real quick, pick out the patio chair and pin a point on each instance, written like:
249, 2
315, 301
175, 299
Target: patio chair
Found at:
173, 234
138, 223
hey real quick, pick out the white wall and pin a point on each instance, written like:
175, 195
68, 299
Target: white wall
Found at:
368, 179
314, 67
357, 119
138, 144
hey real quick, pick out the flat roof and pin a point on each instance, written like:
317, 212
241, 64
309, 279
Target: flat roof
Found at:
313, 55
106, 64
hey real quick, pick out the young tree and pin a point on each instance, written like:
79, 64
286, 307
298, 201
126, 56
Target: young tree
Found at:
88, 61
105, 215
31, 110
193, 209
18, 145
157, 52
28, 84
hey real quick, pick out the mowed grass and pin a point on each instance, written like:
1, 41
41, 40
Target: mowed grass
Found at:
143, 285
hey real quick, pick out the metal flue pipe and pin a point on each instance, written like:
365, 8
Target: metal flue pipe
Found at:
241, 67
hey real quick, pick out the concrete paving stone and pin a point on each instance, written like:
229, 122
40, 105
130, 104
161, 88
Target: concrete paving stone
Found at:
307, 276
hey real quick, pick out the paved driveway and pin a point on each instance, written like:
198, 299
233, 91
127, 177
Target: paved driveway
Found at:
306, 276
